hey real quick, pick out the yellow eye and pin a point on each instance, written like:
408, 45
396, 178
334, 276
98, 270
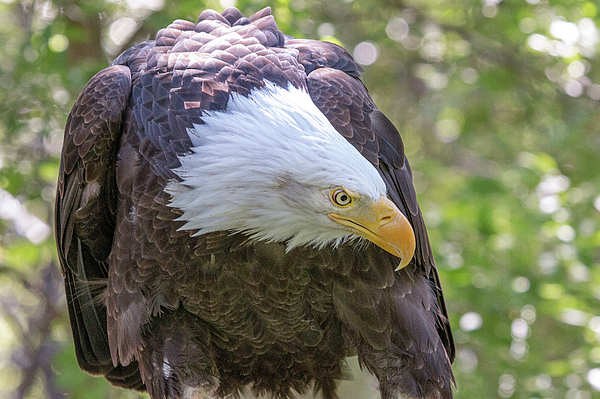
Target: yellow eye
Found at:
340, 197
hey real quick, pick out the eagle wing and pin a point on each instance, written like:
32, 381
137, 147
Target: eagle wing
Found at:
84, 216
335, 88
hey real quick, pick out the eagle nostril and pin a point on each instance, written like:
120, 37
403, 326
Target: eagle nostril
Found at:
385, 220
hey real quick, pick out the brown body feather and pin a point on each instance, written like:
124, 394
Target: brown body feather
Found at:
215, 313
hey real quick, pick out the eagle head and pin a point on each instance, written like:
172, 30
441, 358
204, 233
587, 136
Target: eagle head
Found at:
272, 166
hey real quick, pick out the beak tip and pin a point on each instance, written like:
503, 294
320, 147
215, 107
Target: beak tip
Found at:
404, 262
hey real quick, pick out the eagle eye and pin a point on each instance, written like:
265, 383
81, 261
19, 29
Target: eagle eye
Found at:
341, 198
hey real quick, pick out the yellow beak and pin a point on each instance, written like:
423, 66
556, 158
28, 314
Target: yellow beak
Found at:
385, 226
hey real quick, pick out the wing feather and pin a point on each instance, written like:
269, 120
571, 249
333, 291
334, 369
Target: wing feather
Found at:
84, 216
397, 174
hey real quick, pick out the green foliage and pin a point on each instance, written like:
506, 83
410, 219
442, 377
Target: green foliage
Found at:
497, 103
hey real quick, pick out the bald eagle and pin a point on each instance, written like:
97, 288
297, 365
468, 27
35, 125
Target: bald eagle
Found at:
234, 213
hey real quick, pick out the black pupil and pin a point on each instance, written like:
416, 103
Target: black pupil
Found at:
343, 198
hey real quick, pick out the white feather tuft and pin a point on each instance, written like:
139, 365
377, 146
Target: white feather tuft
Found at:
265, 166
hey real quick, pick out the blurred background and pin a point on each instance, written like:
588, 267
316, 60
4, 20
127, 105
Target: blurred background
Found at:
498, 105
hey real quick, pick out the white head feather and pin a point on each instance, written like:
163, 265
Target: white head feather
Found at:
266, 166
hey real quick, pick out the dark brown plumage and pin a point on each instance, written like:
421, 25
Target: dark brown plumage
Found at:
153, 307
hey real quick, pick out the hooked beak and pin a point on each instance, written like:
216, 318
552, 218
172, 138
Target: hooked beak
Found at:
385, 226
